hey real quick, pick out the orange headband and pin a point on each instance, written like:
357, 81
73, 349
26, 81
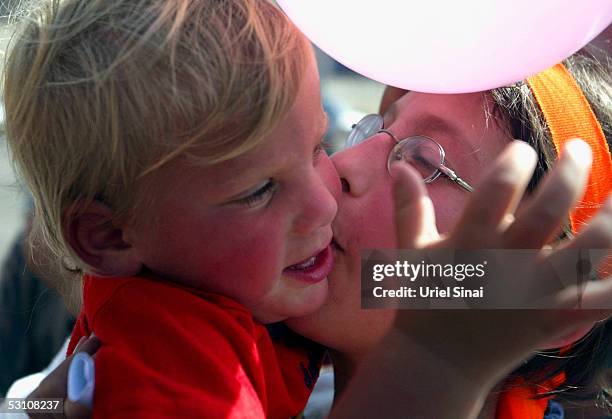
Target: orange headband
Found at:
569, 115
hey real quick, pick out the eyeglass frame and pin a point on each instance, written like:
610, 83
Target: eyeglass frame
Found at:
441, 168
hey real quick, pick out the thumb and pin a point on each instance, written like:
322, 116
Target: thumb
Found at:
415, 219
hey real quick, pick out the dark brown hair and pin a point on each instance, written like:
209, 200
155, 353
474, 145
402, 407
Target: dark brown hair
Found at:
587, 363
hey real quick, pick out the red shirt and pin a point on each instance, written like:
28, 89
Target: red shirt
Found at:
168, 351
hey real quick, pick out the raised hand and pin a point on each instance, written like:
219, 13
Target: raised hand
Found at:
483, 346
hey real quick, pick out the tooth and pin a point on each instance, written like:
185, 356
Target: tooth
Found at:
307, 264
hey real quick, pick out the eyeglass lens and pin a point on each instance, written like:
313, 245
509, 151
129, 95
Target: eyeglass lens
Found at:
421, 153
368, 126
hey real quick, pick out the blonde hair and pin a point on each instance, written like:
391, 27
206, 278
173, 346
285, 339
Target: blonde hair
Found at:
100, 93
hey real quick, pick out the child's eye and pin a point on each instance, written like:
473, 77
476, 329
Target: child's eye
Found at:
260, 195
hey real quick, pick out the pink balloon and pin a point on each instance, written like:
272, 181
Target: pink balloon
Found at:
449, 46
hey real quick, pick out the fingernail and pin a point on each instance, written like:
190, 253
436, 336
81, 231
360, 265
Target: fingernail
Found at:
522, 153
579, 151
81, 379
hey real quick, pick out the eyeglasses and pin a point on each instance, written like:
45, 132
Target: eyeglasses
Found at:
423, 153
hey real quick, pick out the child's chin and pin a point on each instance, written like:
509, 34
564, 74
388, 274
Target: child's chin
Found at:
568, 339
303, 307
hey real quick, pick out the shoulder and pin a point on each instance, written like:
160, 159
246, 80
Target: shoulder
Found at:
137, 314
165, 346
152, 299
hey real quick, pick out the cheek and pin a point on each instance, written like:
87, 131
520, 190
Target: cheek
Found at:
378, 224
233, 255
244, 250
368, 222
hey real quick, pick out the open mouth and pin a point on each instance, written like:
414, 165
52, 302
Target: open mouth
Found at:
314, 269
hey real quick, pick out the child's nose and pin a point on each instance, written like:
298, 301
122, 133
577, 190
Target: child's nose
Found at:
318, 208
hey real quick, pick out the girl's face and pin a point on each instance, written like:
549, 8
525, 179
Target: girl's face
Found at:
471, 138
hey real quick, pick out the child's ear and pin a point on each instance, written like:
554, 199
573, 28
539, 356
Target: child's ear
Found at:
98, 241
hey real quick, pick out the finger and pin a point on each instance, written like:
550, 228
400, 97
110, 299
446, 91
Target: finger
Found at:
595, 299
596, 240
415, 218
598, 295
89, 345
597, 234
553, 200
496, 197
79, 343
